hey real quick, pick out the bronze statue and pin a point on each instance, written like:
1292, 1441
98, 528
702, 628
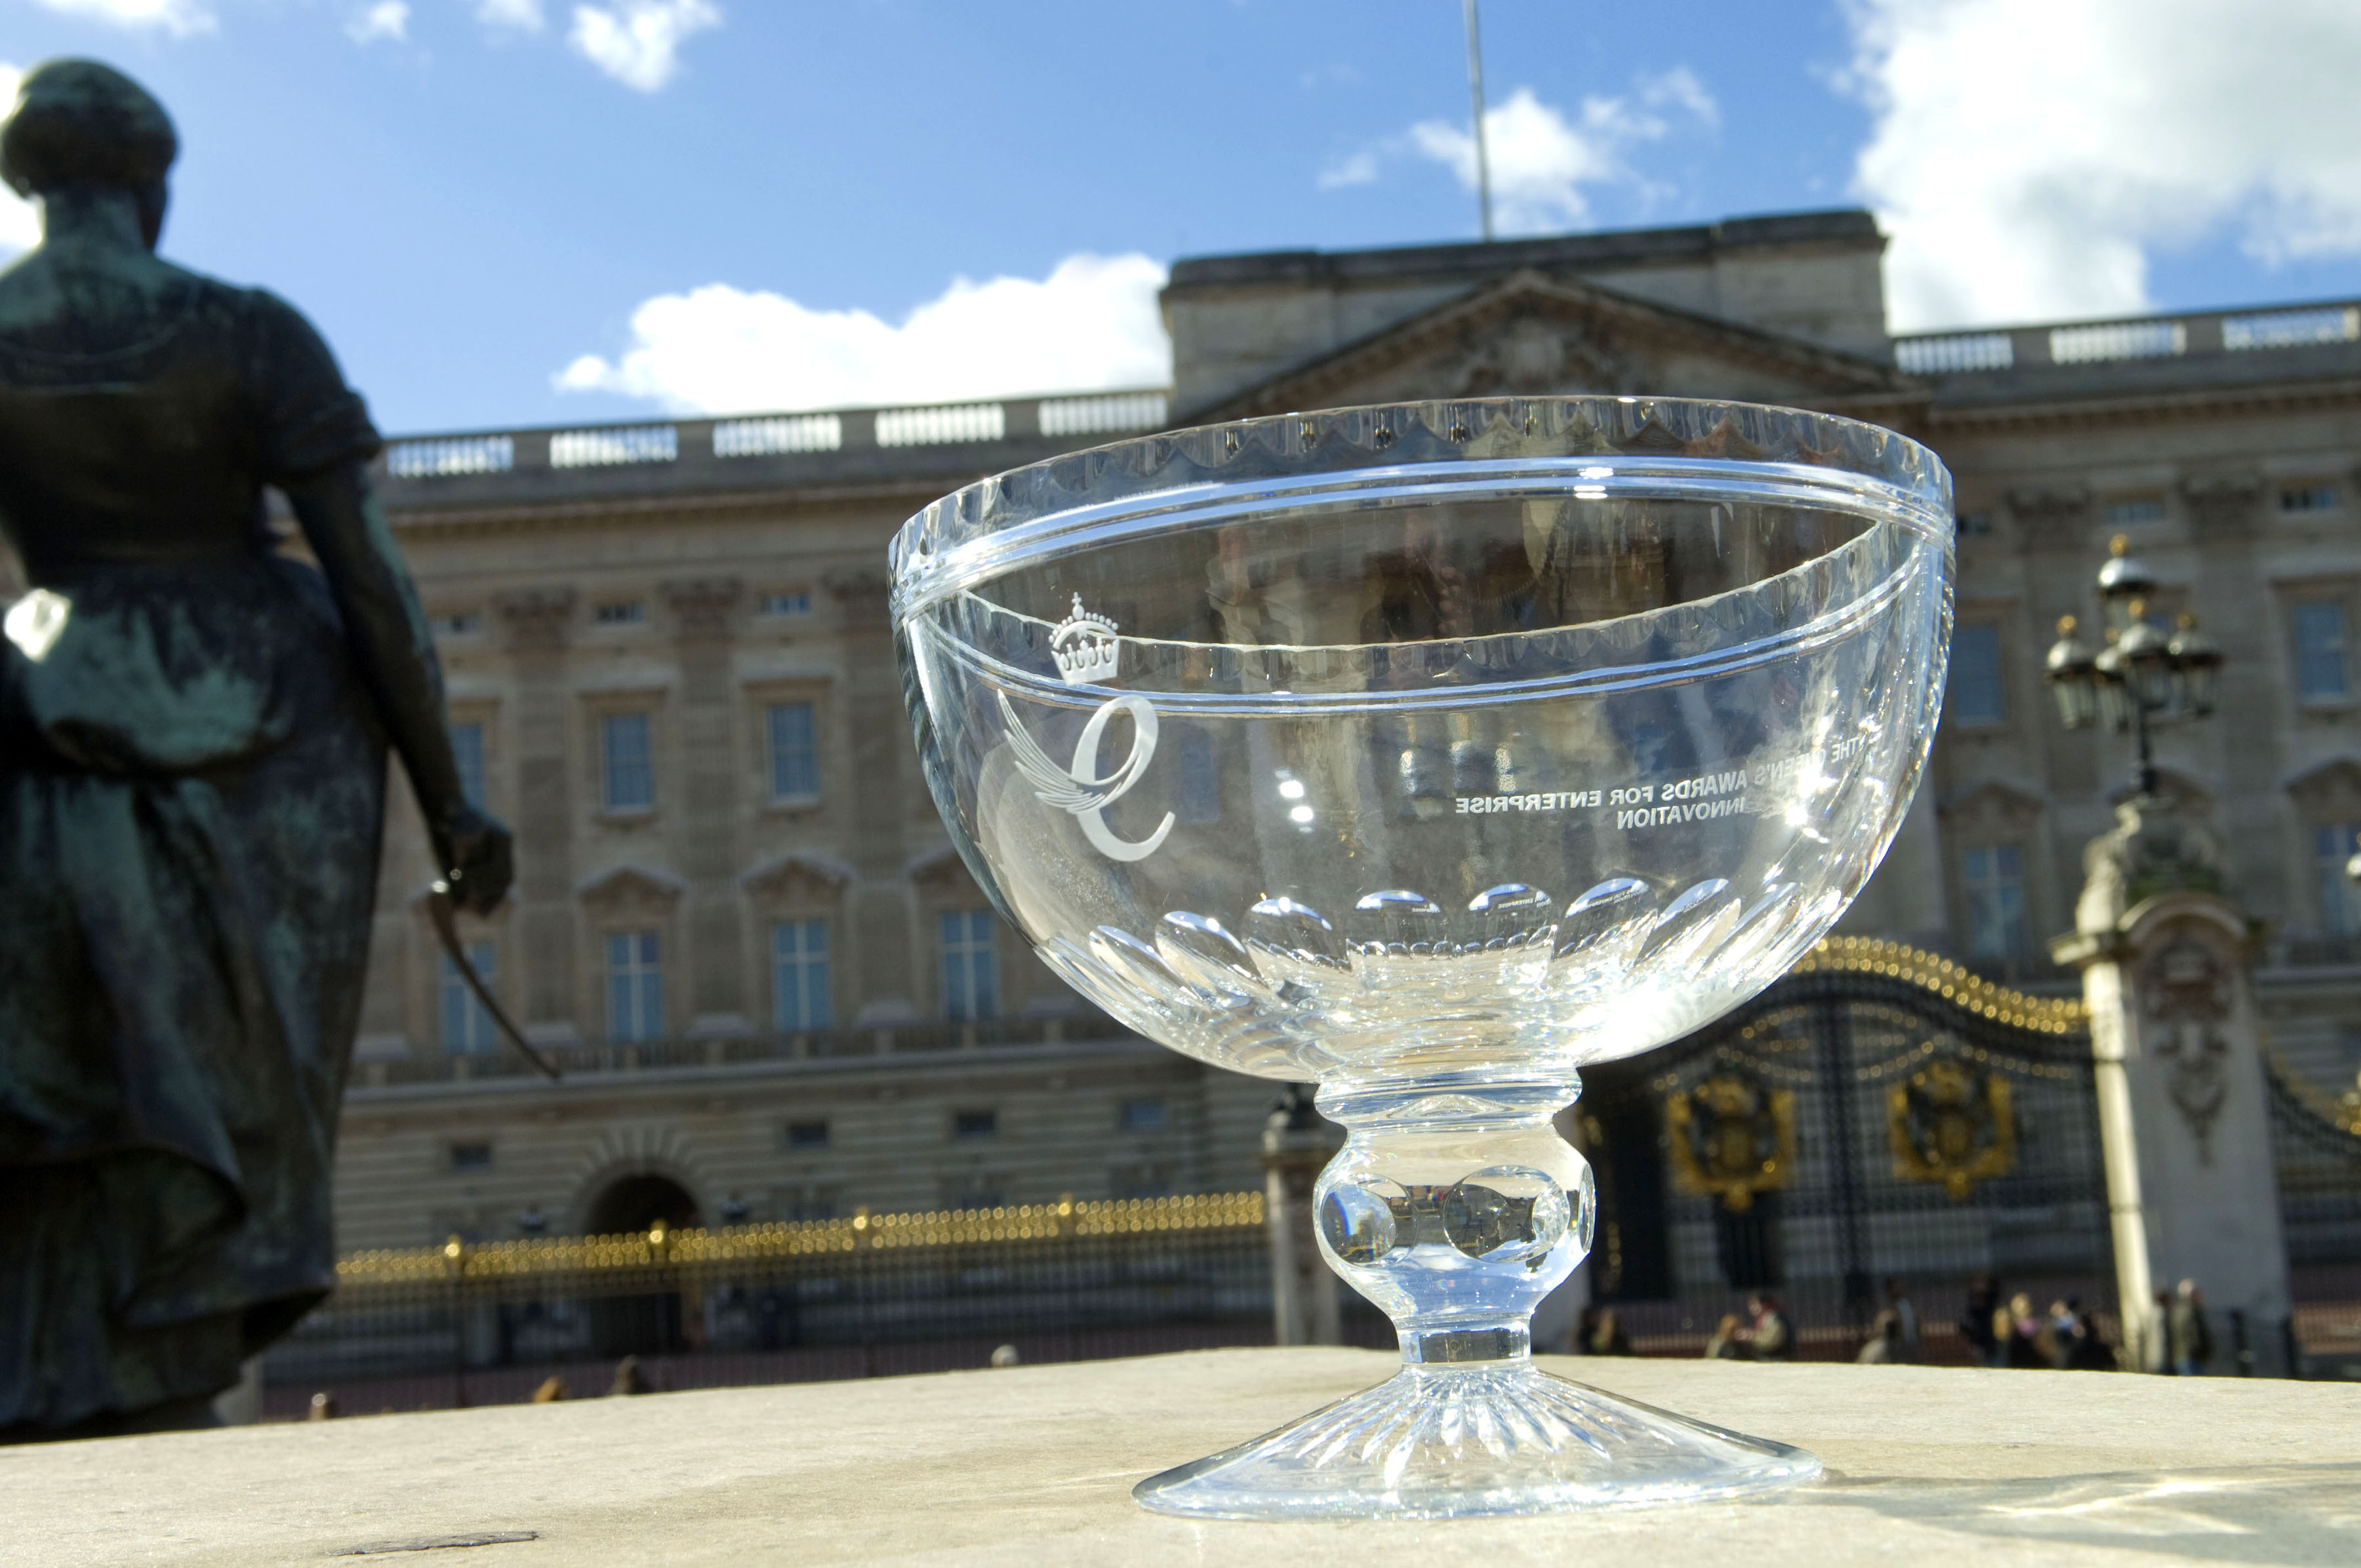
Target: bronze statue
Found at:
192, 737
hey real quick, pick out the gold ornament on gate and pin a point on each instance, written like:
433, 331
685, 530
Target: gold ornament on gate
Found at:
1732, 1139
1953, 1125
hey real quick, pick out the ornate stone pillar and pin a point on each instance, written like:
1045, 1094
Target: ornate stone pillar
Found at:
2184, 1114
535, 622
708, 834
1296, 1143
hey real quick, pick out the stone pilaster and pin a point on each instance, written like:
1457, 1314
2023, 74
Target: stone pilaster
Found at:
706, 837
1296, 1144
535, 623
882, 770
2184, 1112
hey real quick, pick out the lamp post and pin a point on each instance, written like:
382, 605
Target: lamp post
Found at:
2141, 678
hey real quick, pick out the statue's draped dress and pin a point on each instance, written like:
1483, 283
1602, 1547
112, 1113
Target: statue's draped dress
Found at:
191, 788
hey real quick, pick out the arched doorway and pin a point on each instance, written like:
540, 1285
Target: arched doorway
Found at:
639, 1325
637, 1202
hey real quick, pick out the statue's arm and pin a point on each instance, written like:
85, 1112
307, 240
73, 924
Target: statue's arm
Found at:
395, 654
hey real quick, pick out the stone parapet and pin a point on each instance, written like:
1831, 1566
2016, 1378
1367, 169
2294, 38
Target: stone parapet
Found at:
1033, 1466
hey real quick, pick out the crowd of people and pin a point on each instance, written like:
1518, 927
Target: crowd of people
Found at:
1999, 1329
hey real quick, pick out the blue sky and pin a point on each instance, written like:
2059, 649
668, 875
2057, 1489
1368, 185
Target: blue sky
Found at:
509, 211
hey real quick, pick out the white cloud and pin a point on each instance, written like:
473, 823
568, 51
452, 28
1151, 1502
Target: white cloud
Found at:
1540, 162
638, 42
179, 17
1354, 169
517, 15
1091, 325
2029, 157
387, 20
20, 222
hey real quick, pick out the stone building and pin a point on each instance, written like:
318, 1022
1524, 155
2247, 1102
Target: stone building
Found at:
777, 993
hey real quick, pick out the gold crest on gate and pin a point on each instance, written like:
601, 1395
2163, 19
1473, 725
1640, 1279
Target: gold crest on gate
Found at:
1951, 1125
1731, 1138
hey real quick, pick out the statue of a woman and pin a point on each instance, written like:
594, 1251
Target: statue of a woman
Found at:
193, 738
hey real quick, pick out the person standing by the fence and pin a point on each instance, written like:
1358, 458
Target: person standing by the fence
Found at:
2186, 1335
1976, 1320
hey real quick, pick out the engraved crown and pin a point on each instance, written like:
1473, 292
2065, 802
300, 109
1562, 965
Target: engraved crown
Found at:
1085, 647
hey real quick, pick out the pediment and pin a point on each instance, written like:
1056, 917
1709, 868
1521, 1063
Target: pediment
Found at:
1992, 803
938, 869
2190, 792
2330, 791
621, 887
1532, 334
806, 876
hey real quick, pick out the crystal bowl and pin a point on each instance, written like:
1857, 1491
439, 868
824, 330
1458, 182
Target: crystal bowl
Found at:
1431, 752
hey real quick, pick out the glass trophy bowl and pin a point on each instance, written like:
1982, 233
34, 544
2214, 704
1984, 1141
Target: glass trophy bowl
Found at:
1433, 752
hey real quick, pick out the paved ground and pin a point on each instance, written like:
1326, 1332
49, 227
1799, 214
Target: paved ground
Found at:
1030, 1468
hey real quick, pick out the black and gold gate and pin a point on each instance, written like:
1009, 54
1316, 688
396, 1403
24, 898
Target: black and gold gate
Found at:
1878, 1113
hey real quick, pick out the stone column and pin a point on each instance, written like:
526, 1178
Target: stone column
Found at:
708, 834
536, 621
1296, 1144
2184, 1112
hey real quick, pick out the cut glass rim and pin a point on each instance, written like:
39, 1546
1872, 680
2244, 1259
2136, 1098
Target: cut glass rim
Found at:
1355, 458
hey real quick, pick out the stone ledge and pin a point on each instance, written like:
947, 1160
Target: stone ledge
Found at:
1031, 1468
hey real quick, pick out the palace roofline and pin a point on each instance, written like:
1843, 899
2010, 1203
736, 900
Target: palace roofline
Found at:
1848, 227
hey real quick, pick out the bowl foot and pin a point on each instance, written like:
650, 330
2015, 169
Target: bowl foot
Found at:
1474, 1441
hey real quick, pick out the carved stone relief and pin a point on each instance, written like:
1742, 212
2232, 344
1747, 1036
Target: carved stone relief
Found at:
701, 606
1534, 356
2185, 992
2222, 503
535, 618
2050, 518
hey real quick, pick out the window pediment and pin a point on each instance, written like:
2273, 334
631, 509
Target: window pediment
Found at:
801, 877
1993, 804
630, 890
2330, 792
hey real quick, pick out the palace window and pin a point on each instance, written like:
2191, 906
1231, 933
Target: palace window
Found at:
1974, 694
971, 965
799, 989
466, 623
794, 751
793, 602
621, 612
471, 1157
2320, 651
628, 768
1141, 1116
467, 1024
2308, 498
1993, 876
634, 986
806, 1134
975, 1123
2333, 844
2135, 508
468, 750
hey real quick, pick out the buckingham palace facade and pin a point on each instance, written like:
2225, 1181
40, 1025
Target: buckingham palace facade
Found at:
738, 923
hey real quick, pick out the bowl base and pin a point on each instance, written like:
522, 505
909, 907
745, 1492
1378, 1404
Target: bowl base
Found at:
1475, 1441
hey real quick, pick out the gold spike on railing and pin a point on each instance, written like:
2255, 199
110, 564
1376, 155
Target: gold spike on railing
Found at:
1948, 980
865, 1232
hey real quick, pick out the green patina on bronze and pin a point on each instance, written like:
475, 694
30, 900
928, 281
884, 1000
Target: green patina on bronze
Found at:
193, 738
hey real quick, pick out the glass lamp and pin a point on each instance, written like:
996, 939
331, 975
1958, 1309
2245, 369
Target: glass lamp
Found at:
2196, 658
2072, 674
2146, 659
2123, 580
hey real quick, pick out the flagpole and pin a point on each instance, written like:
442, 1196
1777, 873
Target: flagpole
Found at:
1475, 92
